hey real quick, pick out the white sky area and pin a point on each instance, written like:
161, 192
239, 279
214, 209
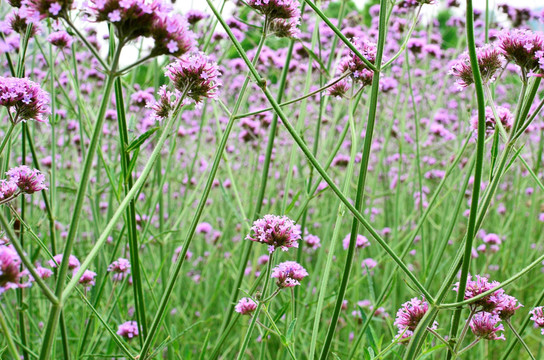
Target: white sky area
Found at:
185, 5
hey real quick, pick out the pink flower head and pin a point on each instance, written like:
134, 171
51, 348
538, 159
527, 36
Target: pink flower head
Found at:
41, 9
194, 16
28, 180
24, 99
128, 329
360, 243
508, 307
166, 104
60, 39
490, 61
276, 9
88, 278
10, 264
505, 116
171, 35
538, 317
17, 21
312, 241
476, 287
73, 262
289, 274
521, 47
120, 269
492, 239
409, 316
196, 75
340, 89
359, 70
276, 231
484, 325
287, 28
245, 306
8, 190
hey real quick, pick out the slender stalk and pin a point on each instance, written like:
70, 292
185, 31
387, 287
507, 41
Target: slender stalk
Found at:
477, 170
7, 136
7, 335
372, 110
518, 336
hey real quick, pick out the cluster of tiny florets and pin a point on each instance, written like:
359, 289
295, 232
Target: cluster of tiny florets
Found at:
490, 61
24, 99
279, 232
523, 48
409, 316
289, 274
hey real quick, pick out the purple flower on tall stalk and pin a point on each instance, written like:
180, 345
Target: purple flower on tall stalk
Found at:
538, 317
27, 180
60, 39
505, 116
120, 269
486, 326
287, 28
508, 307
24, 99
88, 278
41, 9
289, 274
73, 262
489, 303
17, 21
276, 231
128, 329
196, 75
521, 47
166, 103
361, 242
10, 264
340, 89
359, 71
171, 35
8, 190
245, 306
490, 61
276, 9
409, 316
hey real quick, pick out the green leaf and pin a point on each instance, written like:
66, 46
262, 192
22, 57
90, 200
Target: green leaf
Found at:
291, 329
136, 143
132, 163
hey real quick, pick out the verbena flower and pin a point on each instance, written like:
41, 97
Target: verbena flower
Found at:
505, 116
245, 306
8, 190
171, 36
120, 269
73, 262
521, 47
276, 9
476, 287
287, 28
279, 232
490, 61
88, 278
41, 9
196, 75
508, 307
409, 316
359, 71
166, 103
60, 39
361, 242
289, 274
18, 21
486, 326
538, 317
24, 99
340, 89
27, 180
10, 264
128, 329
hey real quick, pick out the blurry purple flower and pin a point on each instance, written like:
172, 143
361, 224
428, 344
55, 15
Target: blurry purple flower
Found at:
538, 317
245, 306
276, 231
490, 61
28, 180
128, 329
484, 325
24, 99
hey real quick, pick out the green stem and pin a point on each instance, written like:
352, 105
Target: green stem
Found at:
518, 336
6, 138
478, 167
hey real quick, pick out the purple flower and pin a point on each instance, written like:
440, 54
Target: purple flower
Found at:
490, 61
73, 262
171, 36
287, 28
409, 316
538, 317
521, 47
352, 63
289, 274
276, 9
24, 99
476, 287
88, 278
508, 307
28, 180
194, 16
8, 190
339, 89
60, 39
245, 306
120, 269
361, 242
312, 241
41, 9
484, 325
196, 75
505, 116
166, 104
17, 20
10, 264
128, 329
276, 231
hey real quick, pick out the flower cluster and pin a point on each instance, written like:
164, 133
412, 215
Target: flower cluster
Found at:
276, 231
120, 269
276, 9
10, 273
490, 61
289, 274
523, 47
361, 242
41, 9
486, 326
26, 179
353, 64
128, 329
60, 39
538, 317
245, 306
169, 31
505, 116
196, 75
165, 105
409, 316
24, 99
